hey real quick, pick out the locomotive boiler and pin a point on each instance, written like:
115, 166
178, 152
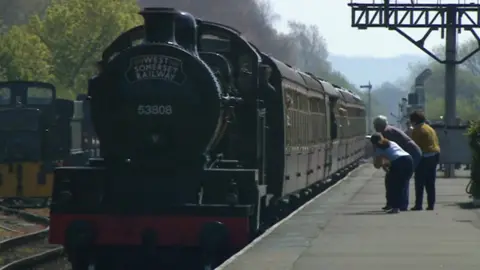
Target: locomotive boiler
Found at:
205, 141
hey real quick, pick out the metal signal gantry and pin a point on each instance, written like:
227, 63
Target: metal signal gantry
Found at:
448, 18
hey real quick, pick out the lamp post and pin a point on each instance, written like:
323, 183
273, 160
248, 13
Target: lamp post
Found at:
369, 109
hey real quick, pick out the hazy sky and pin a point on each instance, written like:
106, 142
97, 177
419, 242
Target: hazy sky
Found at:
333, 18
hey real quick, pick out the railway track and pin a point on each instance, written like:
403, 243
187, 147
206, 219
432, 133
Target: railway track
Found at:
28, 250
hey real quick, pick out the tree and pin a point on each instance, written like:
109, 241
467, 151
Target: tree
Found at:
467, 85
311, 48
73, 33
472, 63
14, 12
76, 31
23, 56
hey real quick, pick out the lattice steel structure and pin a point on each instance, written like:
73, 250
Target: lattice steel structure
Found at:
448, 18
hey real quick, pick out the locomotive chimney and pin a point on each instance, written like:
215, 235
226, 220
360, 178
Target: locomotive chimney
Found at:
159, 24
170, 25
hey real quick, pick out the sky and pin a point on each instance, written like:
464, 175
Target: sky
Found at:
333, 18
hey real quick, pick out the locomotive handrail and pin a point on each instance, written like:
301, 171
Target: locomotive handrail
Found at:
219, 25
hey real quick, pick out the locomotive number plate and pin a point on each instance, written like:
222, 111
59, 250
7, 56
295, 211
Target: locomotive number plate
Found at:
154, 110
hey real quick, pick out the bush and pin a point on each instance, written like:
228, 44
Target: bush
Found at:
473, 133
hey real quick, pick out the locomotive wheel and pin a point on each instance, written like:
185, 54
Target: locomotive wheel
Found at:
295, 201
282, 210
305, 195
214, 239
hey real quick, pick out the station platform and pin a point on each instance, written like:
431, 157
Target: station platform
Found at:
344, 228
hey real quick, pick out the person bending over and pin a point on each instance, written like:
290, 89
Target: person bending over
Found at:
400, 169
380, 123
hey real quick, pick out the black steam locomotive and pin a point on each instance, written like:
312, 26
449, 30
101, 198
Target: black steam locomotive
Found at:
205, 141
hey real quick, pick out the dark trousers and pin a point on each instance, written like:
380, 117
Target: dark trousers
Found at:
405, 195
397, 182
425, 178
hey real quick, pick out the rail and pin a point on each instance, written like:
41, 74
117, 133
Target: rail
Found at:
17, 252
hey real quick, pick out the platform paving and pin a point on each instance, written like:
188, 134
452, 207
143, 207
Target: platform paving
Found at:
344, 229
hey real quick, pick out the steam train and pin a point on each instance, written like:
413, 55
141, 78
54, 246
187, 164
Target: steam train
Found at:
205, 141
35, 136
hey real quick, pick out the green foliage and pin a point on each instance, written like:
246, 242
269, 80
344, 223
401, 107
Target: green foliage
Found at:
474, 140
61, 41
24, 56
467, 86
14, 12
62, 46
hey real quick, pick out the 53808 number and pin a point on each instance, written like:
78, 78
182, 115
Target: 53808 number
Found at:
154, 110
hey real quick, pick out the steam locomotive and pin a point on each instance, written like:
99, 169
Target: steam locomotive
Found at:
205, 141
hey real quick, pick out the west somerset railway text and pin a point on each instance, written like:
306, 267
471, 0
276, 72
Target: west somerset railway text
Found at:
204, 143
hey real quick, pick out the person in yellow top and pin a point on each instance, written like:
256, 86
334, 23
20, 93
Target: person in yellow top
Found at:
426, 172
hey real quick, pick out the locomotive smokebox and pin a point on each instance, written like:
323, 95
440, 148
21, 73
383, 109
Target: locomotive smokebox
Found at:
168, 25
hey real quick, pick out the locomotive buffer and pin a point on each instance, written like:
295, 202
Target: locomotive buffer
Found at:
448, 18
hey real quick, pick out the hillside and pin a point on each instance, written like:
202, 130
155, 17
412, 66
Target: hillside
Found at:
383, 73
360, 70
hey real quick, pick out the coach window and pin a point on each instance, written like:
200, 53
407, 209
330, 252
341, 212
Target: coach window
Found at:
320, 120
357, 122
300, 125
39, 96
293, 118
308, 124
301, 120
308, 120
333, 119
297, 131
288, 114
5, 96
312, 120
352, 114
343, 113
304, 115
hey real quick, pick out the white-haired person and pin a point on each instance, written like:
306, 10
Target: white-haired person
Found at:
400, 169
391, 133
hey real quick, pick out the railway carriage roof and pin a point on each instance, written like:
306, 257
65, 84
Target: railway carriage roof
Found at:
311, 83
286, 72
328, 88
358, 100
347, 96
